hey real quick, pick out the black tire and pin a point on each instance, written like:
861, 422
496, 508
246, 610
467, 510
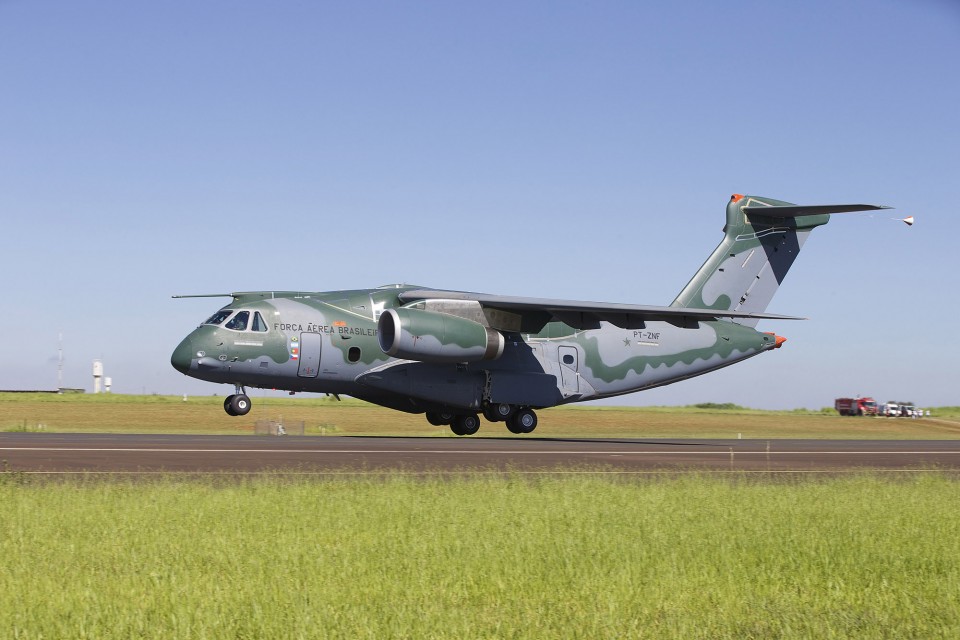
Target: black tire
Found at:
227, 405
240, 404
439, 419
524, 420
512, 428
498, 412
465, 424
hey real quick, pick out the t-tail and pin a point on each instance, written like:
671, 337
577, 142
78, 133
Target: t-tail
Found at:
761, 240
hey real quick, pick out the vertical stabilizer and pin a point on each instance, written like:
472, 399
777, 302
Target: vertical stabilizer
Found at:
761, 240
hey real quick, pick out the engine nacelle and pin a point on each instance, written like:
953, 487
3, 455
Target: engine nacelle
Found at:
429, 336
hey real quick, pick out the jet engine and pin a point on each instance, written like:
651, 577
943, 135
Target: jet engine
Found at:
428, 336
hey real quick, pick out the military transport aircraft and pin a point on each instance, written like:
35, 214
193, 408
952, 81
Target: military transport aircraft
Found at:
453, 355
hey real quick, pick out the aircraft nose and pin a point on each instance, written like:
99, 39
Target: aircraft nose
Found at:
182, 356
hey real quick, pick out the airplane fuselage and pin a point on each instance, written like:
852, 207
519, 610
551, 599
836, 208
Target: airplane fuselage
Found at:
330, 343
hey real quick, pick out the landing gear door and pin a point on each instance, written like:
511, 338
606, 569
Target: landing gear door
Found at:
309, 355
569, 366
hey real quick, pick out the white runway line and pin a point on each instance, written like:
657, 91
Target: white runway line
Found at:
618, 452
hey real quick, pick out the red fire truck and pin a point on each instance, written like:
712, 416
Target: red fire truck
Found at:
856, 406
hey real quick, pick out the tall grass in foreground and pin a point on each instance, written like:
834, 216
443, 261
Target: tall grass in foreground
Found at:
515, 557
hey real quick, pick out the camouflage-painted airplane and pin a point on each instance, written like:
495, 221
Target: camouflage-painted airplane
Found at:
453, 355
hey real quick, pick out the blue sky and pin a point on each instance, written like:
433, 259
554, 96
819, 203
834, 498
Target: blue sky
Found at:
554, 149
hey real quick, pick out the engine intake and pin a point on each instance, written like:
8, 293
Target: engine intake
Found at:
428, 336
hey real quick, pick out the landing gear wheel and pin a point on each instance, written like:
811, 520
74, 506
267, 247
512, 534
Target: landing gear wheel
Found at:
439, 419
226, 405
497, 412
239, 405
466, 424
524, 420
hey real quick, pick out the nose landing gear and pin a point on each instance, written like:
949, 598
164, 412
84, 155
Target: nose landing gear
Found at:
237, 404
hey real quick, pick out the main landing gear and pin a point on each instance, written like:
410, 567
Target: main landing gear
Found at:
237, 404
520, 420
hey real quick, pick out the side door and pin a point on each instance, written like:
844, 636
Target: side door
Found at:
569, 367
309, 355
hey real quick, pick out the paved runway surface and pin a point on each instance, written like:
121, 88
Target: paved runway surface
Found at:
107, 453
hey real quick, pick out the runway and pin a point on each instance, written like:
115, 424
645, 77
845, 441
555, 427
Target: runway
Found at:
63, 454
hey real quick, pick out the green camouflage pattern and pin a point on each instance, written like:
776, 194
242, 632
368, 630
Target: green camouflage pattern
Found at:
460, 353
750, 263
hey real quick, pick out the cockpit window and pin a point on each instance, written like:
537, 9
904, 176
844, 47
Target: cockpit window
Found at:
239, 321
219, 316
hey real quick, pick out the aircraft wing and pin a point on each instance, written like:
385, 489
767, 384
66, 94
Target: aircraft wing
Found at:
533, 313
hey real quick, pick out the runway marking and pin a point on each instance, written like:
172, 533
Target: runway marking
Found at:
659, 472
725, 452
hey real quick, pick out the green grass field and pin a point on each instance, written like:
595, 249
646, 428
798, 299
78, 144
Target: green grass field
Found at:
322, 416
493, 557
475, 556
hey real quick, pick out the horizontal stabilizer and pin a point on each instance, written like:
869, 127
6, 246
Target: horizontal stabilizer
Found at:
794, 210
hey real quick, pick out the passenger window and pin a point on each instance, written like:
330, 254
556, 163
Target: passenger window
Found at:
568, 359
239, 321
258, 322
219, 316
353, 354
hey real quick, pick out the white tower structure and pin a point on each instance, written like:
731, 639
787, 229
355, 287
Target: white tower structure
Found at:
60, 363
107, 383
97, 375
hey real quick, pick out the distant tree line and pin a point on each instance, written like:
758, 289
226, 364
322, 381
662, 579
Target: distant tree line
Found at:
720, 406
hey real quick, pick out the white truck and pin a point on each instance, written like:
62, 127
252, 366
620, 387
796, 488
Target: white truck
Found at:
890, 409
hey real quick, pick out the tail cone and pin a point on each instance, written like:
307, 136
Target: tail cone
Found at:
778, 340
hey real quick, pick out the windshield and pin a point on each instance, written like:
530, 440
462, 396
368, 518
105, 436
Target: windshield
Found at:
219, 316
239, 321
242, 321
